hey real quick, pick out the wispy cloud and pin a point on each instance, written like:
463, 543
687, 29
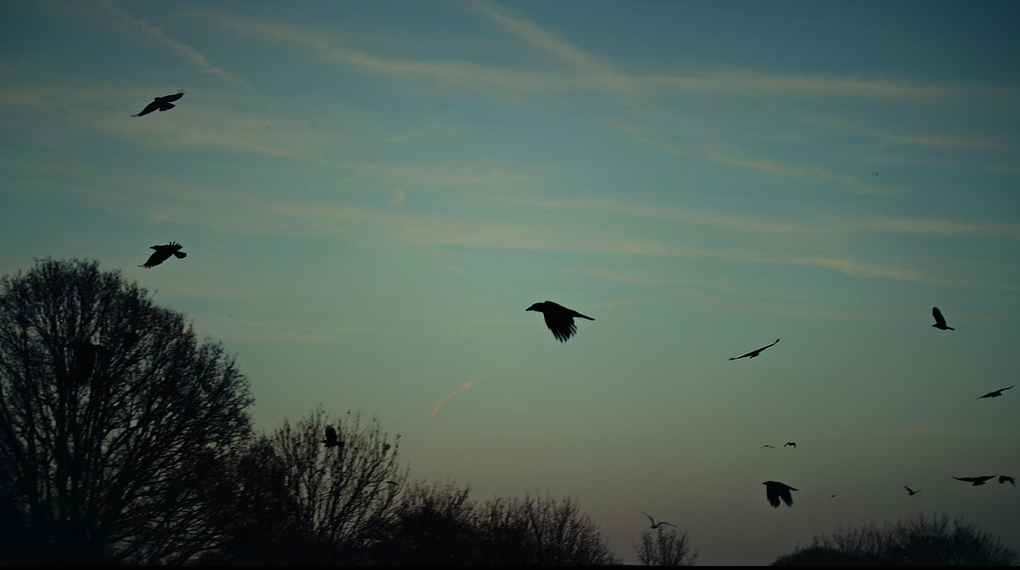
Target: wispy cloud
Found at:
463, 387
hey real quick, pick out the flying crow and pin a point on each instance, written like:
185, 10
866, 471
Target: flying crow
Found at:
996, 393
911, 491
163, 253
162, 103
559, 319
1007, 479
940, 321
775, 490
331, 439
790, 444
753, 353
975, 481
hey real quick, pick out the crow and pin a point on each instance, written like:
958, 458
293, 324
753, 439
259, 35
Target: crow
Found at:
656, 524
753, 353
995, 394
559, 319
1007, 479
331, 439
775, 490
940, 321
163, 253
790, 444
162, 103
911, 491
975, 481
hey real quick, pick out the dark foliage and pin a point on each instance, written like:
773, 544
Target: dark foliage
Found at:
667, 547
920, 541
110, 415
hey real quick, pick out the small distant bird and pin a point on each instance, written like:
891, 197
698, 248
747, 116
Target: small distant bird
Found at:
656, 524
995, 394
331, 439
975, 481
775, 490
753, 353
163, 253
790, 444
162, 103
911, 491
559, 319
940, 321
768, 446
1007, 479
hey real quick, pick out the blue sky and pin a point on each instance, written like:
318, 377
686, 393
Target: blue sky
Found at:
371, 193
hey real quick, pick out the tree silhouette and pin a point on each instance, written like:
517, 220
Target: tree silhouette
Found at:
343, 496
110, 411
667, 547
919, 541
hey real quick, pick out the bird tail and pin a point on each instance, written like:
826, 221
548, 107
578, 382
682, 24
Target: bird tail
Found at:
180, 254
583, 316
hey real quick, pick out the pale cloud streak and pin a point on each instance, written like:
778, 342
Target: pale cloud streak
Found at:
463, 387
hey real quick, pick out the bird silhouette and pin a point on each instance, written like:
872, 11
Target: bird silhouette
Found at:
331, 438
975, 481
163, 253
995, 394
559, 319
753, 353
656, 524
1007, 479
164, 103
911, 491
768, 446
790, 444
774, 490
940, 321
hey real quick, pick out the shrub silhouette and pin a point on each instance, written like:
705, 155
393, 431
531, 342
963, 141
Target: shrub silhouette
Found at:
667, 547
919, 541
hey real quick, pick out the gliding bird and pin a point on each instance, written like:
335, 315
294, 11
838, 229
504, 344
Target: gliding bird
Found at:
163, 253
995, 394
559, 319
164, 103
911, 491
753, 353
656, 524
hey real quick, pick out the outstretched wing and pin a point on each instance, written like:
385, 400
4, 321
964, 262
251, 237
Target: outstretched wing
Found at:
157, 257
174, 97
148, 108
561, 324
939, 319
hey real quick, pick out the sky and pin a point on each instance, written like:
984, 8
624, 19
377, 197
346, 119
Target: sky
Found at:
371, 193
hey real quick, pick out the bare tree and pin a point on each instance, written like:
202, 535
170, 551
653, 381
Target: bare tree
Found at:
668, 547
343, 495
109, 412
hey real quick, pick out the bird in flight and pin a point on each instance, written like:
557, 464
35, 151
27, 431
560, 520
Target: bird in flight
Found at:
164, 103
559, 319
331, 439
911, 491
774, 490
790, 444
163, 253
1007, 479
940, 321
656, 524
975, 481
768, 446
753, 353
996, 393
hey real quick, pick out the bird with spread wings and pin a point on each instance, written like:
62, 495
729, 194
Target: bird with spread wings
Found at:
164, 103
940, 321
753, 353
163, 253
774, 491
995, 393
559, 319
